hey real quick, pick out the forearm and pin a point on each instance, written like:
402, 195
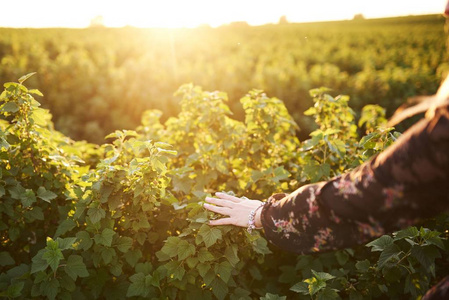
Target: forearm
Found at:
408, 181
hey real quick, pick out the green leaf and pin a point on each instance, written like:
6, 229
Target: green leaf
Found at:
310, 143
337, 146
124, 244
425, 255
219, 288
209, 234
410, 232
16, 191
327, 294
192, 262
105, 192
110, 160
381, 243
185, 249
35, 92
11, 86
390, 252
45, 195
149, 280
322, 275
107, 254
203, 268
342, 257
39, 263
204, 255
224, 270
116, 269
162, 145
75, 267
6, 259
260, 245
161, 256
280, 174
10, 107
51, 244
310, 111
105, 238
155, 280
96, 214
231, 254
28, 198
255, 273
363, 265
315, 285
316, 171
67, 283
182, 184
66, 243
133, 256
169, 152
137, 286
175, 269
171, 246
15, 290
53, 257
436, 241
21, 271
85, 240
25, 77
50, 288
369, 140
433, 238
240, 294
301, 288
142, 221
209, 277
34, 214
40, 117
65, 227
269, 296
14, 233
34, 104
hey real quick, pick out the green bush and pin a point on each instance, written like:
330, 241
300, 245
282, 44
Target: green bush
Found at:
120, 72
125, 219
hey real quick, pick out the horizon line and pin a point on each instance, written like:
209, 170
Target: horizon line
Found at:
242, 22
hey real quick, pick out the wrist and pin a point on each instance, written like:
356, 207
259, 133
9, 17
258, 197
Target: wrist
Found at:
254, 219
258, 218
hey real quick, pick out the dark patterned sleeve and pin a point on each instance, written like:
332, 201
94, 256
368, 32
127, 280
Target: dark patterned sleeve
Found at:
407, 182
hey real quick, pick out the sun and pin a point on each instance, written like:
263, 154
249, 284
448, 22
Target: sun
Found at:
159, 14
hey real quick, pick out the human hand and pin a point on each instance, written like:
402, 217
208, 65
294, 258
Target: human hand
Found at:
238, 210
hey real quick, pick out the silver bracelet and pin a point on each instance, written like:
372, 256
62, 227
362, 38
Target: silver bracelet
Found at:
251, 221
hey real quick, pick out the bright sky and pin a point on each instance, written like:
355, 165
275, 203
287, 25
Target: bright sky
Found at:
191, 13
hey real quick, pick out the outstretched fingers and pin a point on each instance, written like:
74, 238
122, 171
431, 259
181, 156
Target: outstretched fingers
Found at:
223, 221
220, 202
228, 197
218, 209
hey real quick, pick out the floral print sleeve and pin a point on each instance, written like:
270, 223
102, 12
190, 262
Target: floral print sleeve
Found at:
407, 182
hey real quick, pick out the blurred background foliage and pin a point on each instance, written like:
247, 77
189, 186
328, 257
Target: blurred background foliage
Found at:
96, 80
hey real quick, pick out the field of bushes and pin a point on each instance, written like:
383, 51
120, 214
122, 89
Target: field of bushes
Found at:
117, 73
108, 152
